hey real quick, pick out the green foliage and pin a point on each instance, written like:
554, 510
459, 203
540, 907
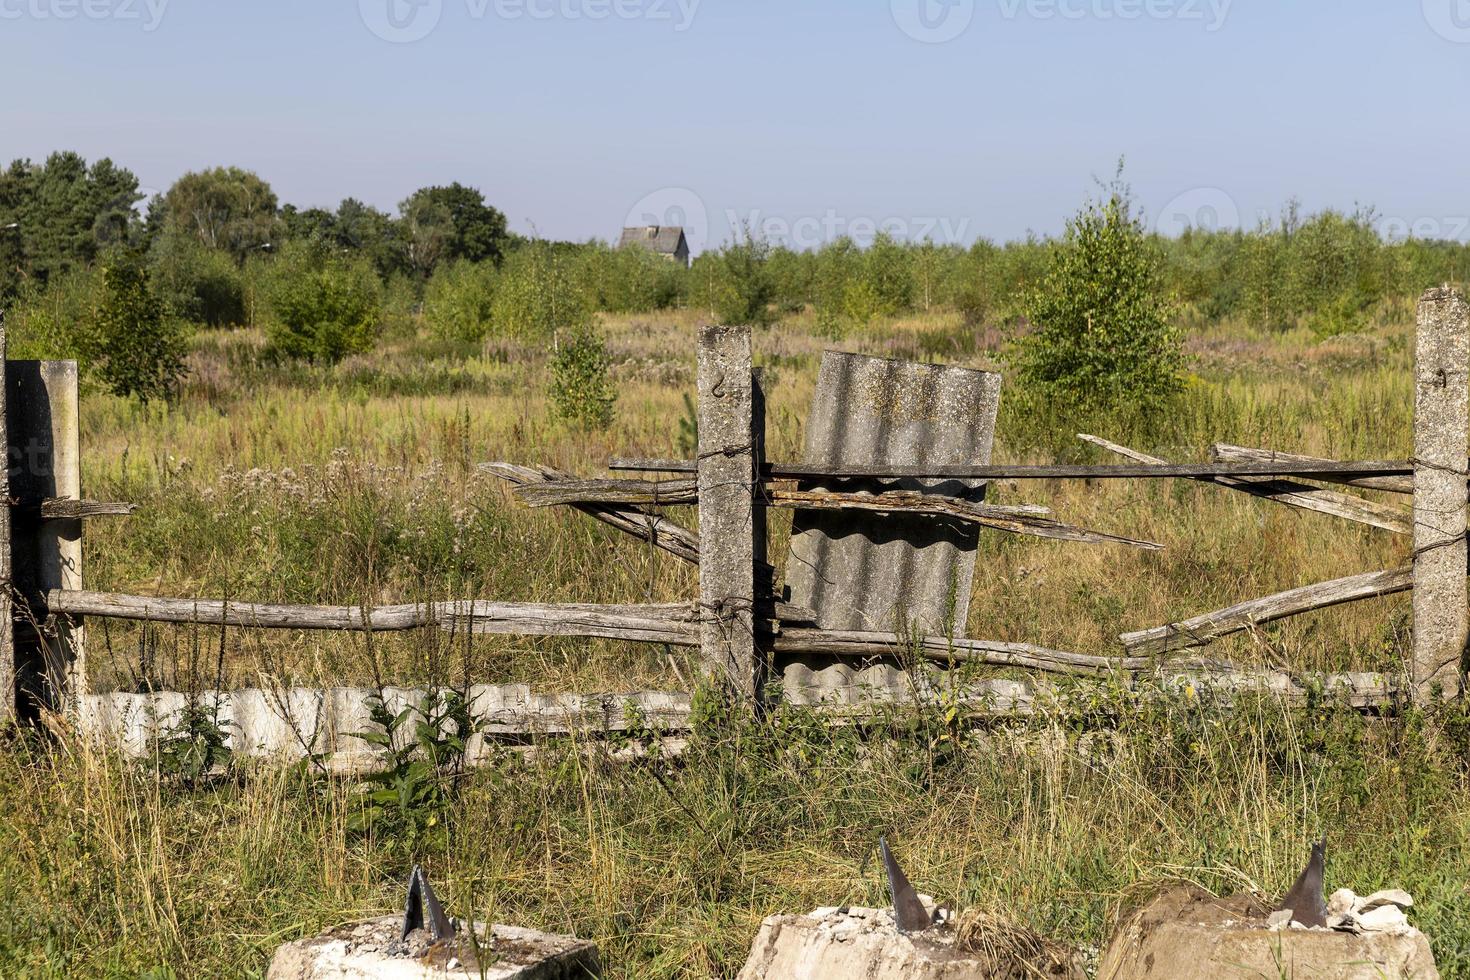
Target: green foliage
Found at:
441, 224
137, 348
411, 797
197, 284
888, 276
54, 319
459, 300
581, 390
735, 283
631, 279
193, 748
1103, 335
687, 440
66, 214
324, 306
224, 208
538, 294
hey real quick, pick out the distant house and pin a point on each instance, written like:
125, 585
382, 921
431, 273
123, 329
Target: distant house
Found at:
662, 240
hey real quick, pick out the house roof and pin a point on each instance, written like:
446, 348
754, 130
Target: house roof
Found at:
664, 239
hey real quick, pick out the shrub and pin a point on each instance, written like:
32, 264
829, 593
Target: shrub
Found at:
581, 391
198, 284
888, 274
53, 319
630, 279
1103, 335
538, 294
139, 350
459, 300
324, 306
736, 283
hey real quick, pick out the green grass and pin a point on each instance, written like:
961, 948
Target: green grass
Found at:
277, 482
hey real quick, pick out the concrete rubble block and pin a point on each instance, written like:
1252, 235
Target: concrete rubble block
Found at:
848, 943
371, 951
1185, 933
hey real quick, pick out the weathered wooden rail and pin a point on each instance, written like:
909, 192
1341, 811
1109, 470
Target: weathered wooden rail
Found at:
887, 502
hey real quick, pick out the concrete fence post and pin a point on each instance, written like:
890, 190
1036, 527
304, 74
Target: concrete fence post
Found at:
46, 666
731, 524
1441, 448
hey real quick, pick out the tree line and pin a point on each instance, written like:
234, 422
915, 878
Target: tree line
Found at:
90, 269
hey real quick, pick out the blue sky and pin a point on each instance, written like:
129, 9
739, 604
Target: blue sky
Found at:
951, 118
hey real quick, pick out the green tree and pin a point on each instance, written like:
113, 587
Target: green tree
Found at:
735, 281
538, 293
442, 224
581, 390
198, 284
65, 214
888, 273
459, 300
1103, 333
324, 304
225, 208
139, 349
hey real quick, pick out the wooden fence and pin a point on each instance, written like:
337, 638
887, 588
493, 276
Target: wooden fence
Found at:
913, 505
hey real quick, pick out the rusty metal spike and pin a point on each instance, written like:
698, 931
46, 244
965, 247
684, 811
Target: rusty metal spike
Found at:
1305, 898
423, 911
908, 911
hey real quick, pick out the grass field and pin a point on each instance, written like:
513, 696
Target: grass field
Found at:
357, 484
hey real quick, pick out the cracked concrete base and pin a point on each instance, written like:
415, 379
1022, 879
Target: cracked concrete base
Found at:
1185, 933
371, 951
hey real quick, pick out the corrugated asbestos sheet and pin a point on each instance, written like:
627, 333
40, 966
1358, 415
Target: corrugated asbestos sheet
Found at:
861, 571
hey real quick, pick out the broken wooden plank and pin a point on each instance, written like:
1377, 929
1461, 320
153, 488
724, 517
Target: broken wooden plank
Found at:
1299, 495
1353, 469
854, 643
1203, 629
1224, 452
62, 508
660, 531
653, 493
1009, 519
675, 624
1023, 519
219, 612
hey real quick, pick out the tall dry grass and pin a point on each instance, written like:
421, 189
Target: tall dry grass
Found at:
357, 483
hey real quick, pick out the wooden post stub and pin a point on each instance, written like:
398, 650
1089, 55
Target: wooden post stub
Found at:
1441, 446
727, 508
